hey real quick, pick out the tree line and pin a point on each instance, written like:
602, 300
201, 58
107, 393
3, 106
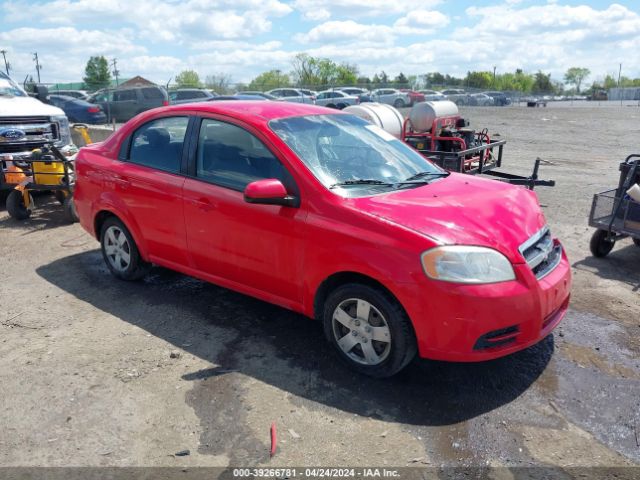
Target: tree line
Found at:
318, 72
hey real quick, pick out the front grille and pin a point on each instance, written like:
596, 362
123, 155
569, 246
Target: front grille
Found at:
14, 120
541, 253
37, 132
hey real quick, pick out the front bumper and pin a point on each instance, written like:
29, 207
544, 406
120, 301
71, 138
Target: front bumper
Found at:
468, 323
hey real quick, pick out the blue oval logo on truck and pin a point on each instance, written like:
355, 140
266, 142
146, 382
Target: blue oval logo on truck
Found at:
9, 134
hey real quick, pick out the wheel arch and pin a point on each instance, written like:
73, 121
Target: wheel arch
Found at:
104, 214
338, 279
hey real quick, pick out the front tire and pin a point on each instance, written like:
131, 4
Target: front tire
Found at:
120, 251
637, 242
369, 330
600, 244
16, 206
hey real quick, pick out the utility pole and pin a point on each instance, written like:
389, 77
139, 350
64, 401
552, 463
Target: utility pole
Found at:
38, 66
115, 70
494, 76
6, 65
619, 89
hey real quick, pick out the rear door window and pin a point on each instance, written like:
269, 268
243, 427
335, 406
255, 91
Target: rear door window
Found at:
159, 143
124, 95
152, 93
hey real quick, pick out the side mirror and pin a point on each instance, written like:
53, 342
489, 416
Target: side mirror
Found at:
42, 93
269, 191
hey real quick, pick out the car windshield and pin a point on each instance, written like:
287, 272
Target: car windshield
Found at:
9, 88
353, 157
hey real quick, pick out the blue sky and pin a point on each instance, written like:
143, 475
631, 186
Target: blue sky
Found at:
241, 38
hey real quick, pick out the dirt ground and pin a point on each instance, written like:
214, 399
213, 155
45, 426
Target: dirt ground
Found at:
87, 375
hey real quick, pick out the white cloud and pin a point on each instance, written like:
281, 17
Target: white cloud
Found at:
421, 22
320, 10
158, 20
336, 31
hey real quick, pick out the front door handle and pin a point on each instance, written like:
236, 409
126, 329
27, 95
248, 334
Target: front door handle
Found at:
203, 203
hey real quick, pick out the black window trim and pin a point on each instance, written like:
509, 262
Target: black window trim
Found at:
191, 170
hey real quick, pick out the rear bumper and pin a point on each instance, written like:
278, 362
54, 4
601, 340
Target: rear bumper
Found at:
470, 323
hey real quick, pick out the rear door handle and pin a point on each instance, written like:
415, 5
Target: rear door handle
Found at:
122, 181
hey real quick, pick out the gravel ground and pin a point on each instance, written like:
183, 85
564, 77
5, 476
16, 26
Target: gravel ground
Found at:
98, 372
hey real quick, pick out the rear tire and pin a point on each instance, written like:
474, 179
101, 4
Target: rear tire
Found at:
399, 103
16, 207
340, 106
120, 251
600, 245
637, 242
369, 330
69, 206
60, 196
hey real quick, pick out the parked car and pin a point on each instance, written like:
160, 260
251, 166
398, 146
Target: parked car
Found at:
499, 98
481, 100
292, 95
457, 96
320, 212
77, 110
432, 95
415, 97
237, 96
391, 96
336, 99
362, 94
264, 95
188, 95
125, 103
81, 94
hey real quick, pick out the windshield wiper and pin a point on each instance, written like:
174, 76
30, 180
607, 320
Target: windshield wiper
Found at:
420, 175
361, 181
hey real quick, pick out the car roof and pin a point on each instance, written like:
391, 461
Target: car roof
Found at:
244, 109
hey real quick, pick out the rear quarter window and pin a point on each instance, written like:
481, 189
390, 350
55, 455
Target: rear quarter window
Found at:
152, 94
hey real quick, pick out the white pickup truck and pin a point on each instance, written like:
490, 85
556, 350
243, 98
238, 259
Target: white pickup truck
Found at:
27, 123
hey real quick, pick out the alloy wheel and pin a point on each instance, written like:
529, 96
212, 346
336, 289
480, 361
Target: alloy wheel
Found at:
361, 331
117, 248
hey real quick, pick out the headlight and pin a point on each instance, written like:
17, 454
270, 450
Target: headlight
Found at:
467, 264
65, 131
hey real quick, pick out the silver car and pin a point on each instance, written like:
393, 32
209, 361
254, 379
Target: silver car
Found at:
336, 99
391, 96
293, 95
457, 96
190, 95
432, 95
481, 100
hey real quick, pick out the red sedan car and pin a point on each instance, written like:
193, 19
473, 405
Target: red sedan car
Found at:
322, 213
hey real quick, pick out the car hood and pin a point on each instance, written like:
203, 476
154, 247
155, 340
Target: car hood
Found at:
26, 106
463, 210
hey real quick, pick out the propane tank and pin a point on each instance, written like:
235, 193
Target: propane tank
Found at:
423, 114
380, 114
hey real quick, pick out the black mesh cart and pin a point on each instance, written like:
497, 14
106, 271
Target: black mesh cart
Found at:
614, 214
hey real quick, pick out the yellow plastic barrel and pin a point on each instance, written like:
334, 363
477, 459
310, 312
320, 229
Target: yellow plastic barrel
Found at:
48, 173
